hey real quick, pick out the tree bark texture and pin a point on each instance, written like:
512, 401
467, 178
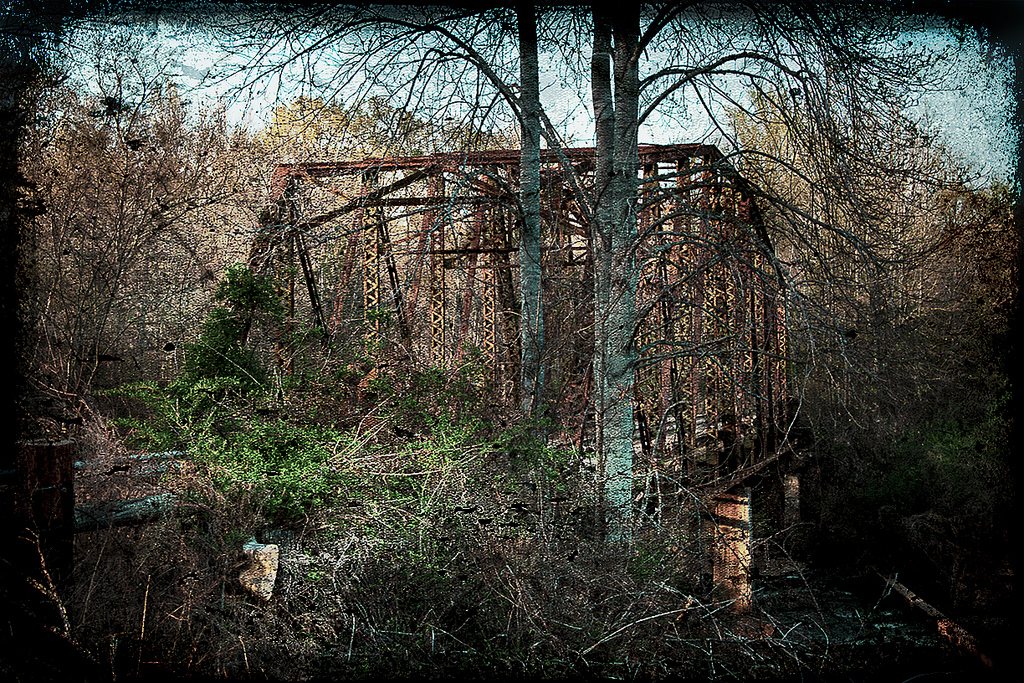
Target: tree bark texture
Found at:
531, 309
615, 92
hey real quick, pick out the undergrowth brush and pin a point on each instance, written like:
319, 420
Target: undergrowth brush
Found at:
463, 551
424, 532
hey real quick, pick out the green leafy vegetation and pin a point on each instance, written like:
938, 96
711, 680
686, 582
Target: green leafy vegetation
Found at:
222, 351
952, 467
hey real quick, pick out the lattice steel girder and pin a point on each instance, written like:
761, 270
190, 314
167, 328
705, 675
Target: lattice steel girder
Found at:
371, 261
651, 290
489, 303
437, 284
467, 291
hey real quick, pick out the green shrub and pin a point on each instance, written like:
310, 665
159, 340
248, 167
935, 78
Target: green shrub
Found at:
529, 456
173, 415
216, 409
946, 466
290, 467
222, 349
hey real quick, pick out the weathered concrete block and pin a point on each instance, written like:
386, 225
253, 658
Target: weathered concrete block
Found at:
261, 574
731, 548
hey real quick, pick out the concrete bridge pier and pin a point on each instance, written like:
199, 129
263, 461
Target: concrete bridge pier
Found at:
731, 542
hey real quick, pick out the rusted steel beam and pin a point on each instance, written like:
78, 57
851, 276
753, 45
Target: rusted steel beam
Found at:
752, 268
279, 179
435, 189
471, 250
504, 224
419, 258
466, 251
343, 291
646, 386
678, 266
437, 278
500, 157
311, 288
489, 186
367, 198
780, 379
702, 282
756, 389
701, 382
286, 273
275, 221
384, 239
489, 319
420, 201
665, 315
371, 267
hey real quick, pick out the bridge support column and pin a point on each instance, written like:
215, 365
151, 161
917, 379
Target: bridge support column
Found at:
731, 548
437, 275
371, 217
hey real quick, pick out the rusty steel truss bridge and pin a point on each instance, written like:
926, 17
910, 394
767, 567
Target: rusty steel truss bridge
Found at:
420, 254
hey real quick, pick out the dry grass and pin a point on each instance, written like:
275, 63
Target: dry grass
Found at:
435, 557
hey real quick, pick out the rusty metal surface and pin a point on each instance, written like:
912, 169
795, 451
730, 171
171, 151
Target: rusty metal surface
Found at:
453, 161
712, 336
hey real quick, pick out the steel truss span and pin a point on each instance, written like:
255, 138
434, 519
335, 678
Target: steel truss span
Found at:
419, 254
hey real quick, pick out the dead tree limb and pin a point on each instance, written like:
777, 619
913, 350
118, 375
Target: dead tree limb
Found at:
950, 631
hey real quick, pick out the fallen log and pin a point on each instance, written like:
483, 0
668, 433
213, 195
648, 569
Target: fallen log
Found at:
950, 631
124, 512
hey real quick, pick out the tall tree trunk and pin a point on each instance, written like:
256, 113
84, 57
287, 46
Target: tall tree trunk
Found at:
531, 309
604, 122
615, 85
